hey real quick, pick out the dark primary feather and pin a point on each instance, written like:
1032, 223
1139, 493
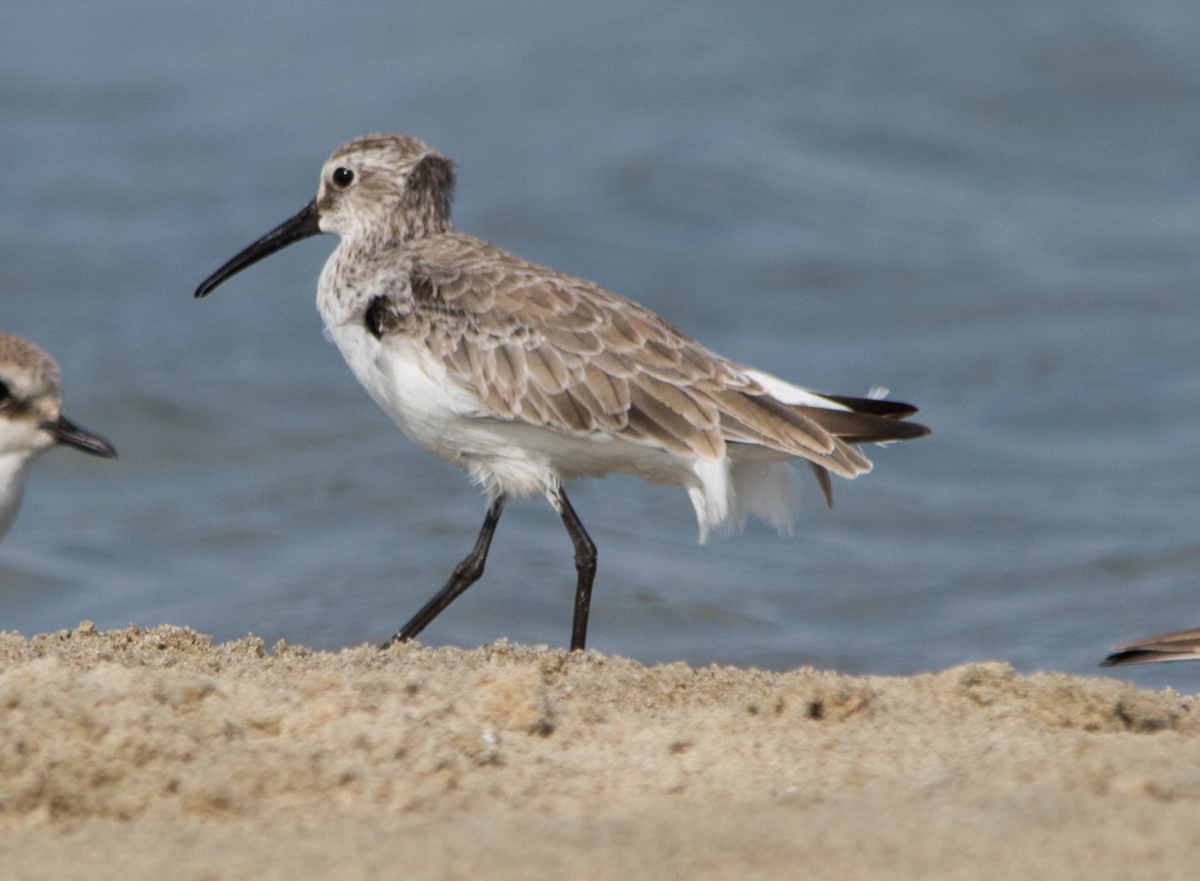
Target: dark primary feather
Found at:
875, 406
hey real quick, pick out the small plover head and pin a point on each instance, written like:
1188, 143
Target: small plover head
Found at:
31, 419
384, 187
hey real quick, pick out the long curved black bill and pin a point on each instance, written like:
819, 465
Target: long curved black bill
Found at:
67, 432
304, 224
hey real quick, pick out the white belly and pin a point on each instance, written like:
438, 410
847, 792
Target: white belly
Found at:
403, 378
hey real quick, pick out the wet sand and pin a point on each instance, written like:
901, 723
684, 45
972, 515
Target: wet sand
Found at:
153, 753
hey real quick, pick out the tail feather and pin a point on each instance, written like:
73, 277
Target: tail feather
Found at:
774, 418
868, 420
863, 427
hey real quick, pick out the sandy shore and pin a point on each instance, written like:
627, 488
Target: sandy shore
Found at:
153, 753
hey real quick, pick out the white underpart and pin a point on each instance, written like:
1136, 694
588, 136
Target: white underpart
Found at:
766, 490
14, 469
731, 488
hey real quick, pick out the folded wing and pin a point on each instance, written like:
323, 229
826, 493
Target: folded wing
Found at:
557, 351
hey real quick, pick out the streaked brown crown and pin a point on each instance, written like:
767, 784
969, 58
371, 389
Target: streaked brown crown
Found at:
27, 369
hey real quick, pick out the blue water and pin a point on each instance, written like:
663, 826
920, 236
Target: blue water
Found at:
992, 209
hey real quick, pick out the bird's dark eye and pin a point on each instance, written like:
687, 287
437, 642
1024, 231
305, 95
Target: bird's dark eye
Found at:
343, 176
5, 395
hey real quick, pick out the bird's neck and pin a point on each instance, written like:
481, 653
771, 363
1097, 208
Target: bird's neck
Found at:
360, 269
418, 224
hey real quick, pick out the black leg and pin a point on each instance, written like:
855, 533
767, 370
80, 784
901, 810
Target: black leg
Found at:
585, 565
465, 574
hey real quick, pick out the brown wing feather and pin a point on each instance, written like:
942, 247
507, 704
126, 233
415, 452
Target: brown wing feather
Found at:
1184, 645
550, 349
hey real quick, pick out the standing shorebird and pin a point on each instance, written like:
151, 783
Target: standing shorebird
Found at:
31, 420
527, 377
1181, 646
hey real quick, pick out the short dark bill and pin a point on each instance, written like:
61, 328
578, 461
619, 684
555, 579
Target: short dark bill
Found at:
67, 432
